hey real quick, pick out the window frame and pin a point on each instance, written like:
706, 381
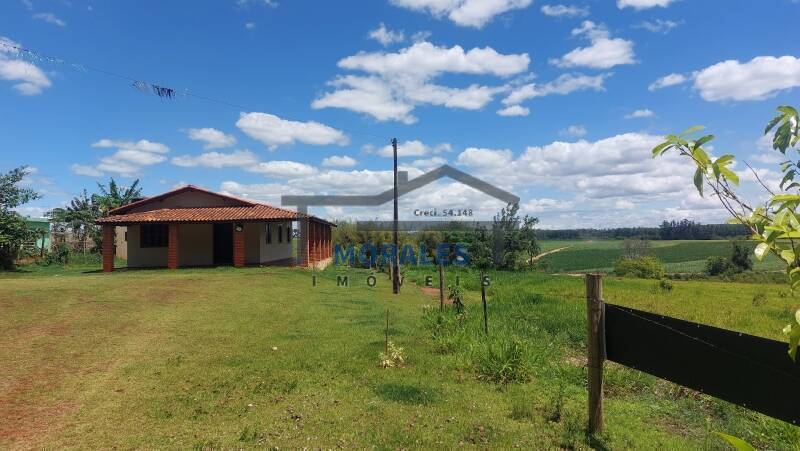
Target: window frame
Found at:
153, 236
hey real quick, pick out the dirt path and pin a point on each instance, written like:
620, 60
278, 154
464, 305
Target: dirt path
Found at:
551, 251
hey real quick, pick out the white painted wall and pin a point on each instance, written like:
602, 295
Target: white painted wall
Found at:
195, 245
148, 257
121, 243
275, 250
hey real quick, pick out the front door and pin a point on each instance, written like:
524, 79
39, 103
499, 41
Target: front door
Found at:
223, 243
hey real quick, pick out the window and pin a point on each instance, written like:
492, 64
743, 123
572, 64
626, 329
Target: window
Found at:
153, 235
269, 234
280, 234
289, 234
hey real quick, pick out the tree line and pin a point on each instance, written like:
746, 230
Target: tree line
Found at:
668, 230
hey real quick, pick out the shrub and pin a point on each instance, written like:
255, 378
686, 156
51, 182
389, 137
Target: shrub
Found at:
60, 255
392, 357
740, 258
717, 265
760, 298
642, 267
665, 285
504, 362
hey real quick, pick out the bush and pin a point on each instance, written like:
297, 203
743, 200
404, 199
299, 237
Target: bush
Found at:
642, 268
665, 285
740, 258
717, 265
59, 255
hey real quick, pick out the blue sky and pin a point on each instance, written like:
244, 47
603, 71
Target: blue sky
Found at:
556, 101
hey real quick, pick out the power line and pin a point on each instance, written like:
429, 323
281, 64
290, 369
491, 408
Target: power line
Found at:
142, 85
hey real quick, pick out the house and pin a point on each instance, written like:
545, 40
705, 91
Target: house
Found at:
191, 226
41, 229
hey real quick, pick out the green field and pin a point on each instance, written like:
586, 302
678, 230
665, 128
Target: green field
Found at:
678, 256
257, 357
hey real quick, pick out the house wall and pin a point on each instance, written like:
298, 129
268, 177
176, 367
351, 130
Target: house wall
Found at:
139, 257
195, 245
189, 199
121, 243
275, 250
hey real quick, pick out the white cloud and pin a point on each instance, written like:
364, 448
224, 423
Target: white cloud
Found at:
623, 204
658, 25
30, 80
642, 4
573, 131
758, 79
249, 25
668, 80
283, 169
466, 13
342, 161
399, 81
428, 163
129, 159
261, 192
485, 158
274, 131
603, 53
89, 171
546, 205
564, 11
563, 85
385, 36
50, 18
514, 110
426, 60
639, 114
213, 138
217, 160
413, 148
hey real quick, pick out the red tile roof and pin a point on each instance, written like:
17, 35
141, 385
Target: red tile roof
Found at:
247, 211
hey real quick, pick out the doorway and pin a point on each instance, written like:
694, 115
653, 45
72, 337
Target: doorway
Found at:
223, 243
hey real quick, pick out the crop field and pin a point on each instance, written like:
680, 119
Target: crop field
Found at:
260, 357
678, 256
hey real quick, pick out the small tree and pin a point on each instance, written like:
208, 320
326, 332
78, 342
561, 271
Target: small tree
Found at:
740, 258
14, 231
513, 237
480, 249
774, 225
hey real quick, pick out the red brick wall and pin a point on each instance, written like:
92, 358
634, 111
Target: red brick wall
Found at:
238, 247
108, 248
173, 247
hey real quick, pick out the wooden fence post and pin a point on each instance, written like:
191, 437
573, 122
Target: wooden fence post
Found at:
596, 349
441, 287
485, 313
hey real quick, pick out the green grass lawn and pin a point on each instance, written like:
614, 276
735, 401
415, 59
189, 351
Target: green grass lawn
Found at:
255, 357
679, 256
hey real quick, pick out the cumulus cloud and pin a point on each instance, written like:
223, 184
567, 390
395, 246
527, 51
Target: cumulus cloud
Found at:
563, 85
50, 18
603, 53
514, 110
128, 160
668, 80
283, 169
658, 25
342, 161
639, 114
642, 4
757, 79
217, 160
28, 78
213, 138
485, 158
564, 11
397, 82
573, 131
385, 36
467, 13
274, 131
412, 148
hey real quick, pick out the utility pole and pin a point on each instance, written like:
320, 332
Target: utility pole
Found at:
396, 256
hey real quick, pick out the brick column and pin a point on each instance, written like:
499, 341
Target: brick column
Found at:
238, 246
312, 241
108, 248
303, 242
172, 246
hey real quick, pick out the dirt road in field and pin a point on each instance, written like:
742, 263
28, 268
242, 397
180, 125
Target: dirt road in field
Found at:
551, 251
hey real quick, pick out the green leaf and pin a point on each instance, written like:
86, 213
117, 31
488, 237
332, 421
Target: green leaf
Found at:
730, 175
698, 181
784, 198
788, 255
737, 443
725, 159
661, 148
703, 140
773, 123
701, 156
761, 250
691, 130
